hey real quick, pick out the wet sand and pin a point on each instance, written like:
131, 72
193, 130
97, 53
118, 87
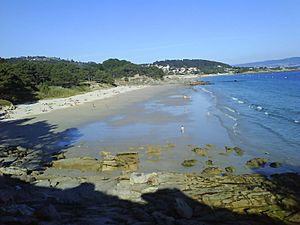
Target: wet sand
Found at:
146, 121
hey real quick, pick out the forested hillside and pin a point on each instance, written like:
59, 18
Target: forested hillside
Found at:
199, 63
22, 78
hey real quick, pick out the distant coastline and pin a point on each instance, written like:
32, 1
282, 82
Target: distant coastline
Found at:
250, 72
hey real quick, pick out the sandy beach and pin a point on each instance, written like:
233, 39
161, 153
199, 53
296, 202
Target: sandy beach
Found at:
27, 110
63, 117
48, 105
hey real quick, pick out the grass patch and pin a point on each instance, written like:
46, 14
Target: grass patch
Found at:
5, 103
46, 92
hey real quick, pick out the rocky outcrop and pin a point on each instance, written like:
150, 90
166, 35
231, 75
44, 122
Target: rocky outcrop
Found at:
155, 198
229, 169
212, 197
238, 151
257, 162
200, 151
275, 164
212, 171
126, 161
197, 82
209, 162
189, 162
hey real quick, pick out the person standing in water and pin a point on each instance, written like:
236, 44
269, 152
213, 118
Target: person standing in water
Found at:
182, 129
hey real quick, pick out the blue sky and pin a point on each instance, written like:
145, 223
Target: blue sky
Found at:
231, 31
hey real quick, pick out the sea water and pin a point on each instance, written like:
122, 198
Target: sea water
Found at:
261, 112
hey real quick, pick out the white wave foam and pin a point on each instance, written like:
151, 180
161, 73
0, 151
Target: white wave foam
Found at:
235, 129
296, 121
231, 117
230, 109
205, 90
237, 100
259, 108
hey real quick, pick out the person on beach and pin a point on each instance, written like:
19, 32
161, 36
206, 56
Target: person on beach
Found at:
182, 129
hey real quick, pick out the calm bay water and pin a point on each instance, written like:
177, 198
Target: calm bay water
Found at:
261, 112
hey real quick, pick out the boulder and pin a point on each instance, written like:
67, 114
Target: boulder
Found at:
256, 162
230, 169
200, 151
212, 171
238, 151
125, 160
189, 162
275, 164
228, 149
209, 162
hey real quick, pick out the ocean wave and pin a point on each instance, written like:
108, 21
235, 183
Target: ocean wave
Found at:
237, 100
235, 129
205, 90
229, 109
274, 114
209, 92
231, 117
259, 108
